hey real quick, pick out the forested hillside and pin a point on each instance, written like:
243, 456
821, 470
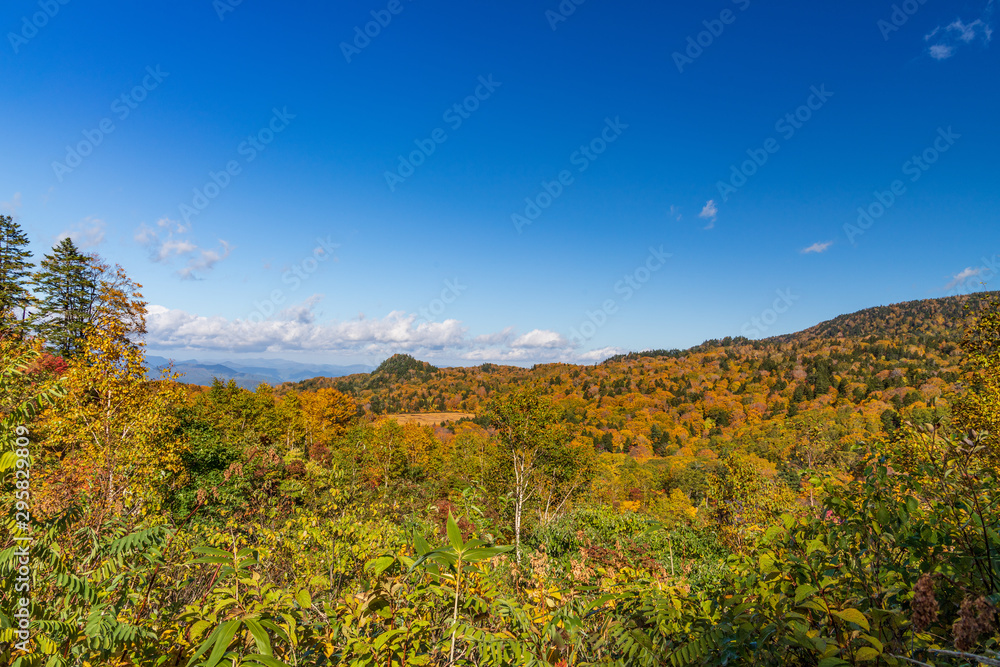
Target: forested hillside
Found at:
931, 318
827, 498
841, 384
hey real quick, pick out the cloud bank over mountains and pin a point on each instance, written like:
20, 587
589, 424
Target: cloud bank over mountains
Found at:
296, 329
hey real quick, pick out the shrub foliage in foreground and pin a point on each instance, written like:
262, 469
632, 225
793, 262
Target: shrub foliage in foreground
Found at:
226, 527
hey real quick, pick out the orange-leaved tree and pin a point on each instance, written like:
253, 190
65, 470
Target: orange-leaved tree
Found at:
113, 434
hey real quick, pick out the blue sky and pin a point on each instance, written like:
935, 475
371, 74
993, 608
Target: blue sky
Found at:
252, 177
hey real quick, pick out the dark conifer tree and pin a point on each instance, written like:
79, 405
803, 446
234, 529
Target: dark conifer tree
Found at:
15, 274
67, 282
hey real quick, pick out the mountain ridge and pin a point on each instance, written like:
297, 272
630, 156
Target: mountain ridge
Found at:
247, 375
938, 318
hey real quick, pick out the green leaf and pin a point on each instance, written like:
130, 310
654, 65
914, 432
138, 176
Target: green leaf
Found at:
854, 616
882, 514
212, 551
831, 662
773, 532
430, 555
804, 591
866, 653
474, 555
245, 563
260, 636
7, 461
222, 642
383, 638
206, 644
600, 601
454, 534
304, 599
266, 660
816, 604
874, 642
380, 565
766, 564
420, 545
195, 631
275, 628
815, 545
212, 560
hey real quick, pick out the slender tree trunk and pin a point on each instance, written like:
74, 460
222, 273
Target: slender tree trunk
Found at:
454, 617
518, 504
517, 525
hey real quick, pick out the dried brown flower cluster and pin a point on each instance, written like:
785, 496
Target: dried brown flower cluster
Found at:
925, 605
579, 570
975, 618
540, 564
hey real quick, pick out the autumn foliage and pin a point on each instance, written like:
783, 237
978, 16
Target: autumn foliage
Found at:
822, 499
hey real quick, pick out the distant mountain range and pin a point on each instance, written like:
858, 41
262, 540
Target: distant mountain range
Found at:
250, 373
943, 318
854, 378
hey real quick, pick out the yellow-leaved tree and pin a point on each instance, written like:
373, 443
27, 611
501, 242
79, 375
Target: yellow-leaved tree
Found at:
425, 454
747, 498
113, 435
978, 409
327, 415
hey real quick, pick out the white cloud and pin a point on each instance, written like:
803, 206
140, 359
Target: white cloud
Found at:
539, 338
303, 312
958, 33
145, 235
88, 233
967, 32
596, 356
164, 248
817, 247
961, 277
172, 226
710, 213
675, 213
293, 330
498, 338
171, 247
941, 51
297, 329
204, 260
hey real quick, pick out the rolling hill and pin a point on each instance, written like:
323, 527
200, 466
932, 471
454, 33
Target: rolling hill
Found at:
855, 377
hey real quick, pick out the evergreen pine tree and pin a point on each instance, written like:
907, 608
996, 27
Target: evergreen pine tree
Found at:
15, 273
68, 281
